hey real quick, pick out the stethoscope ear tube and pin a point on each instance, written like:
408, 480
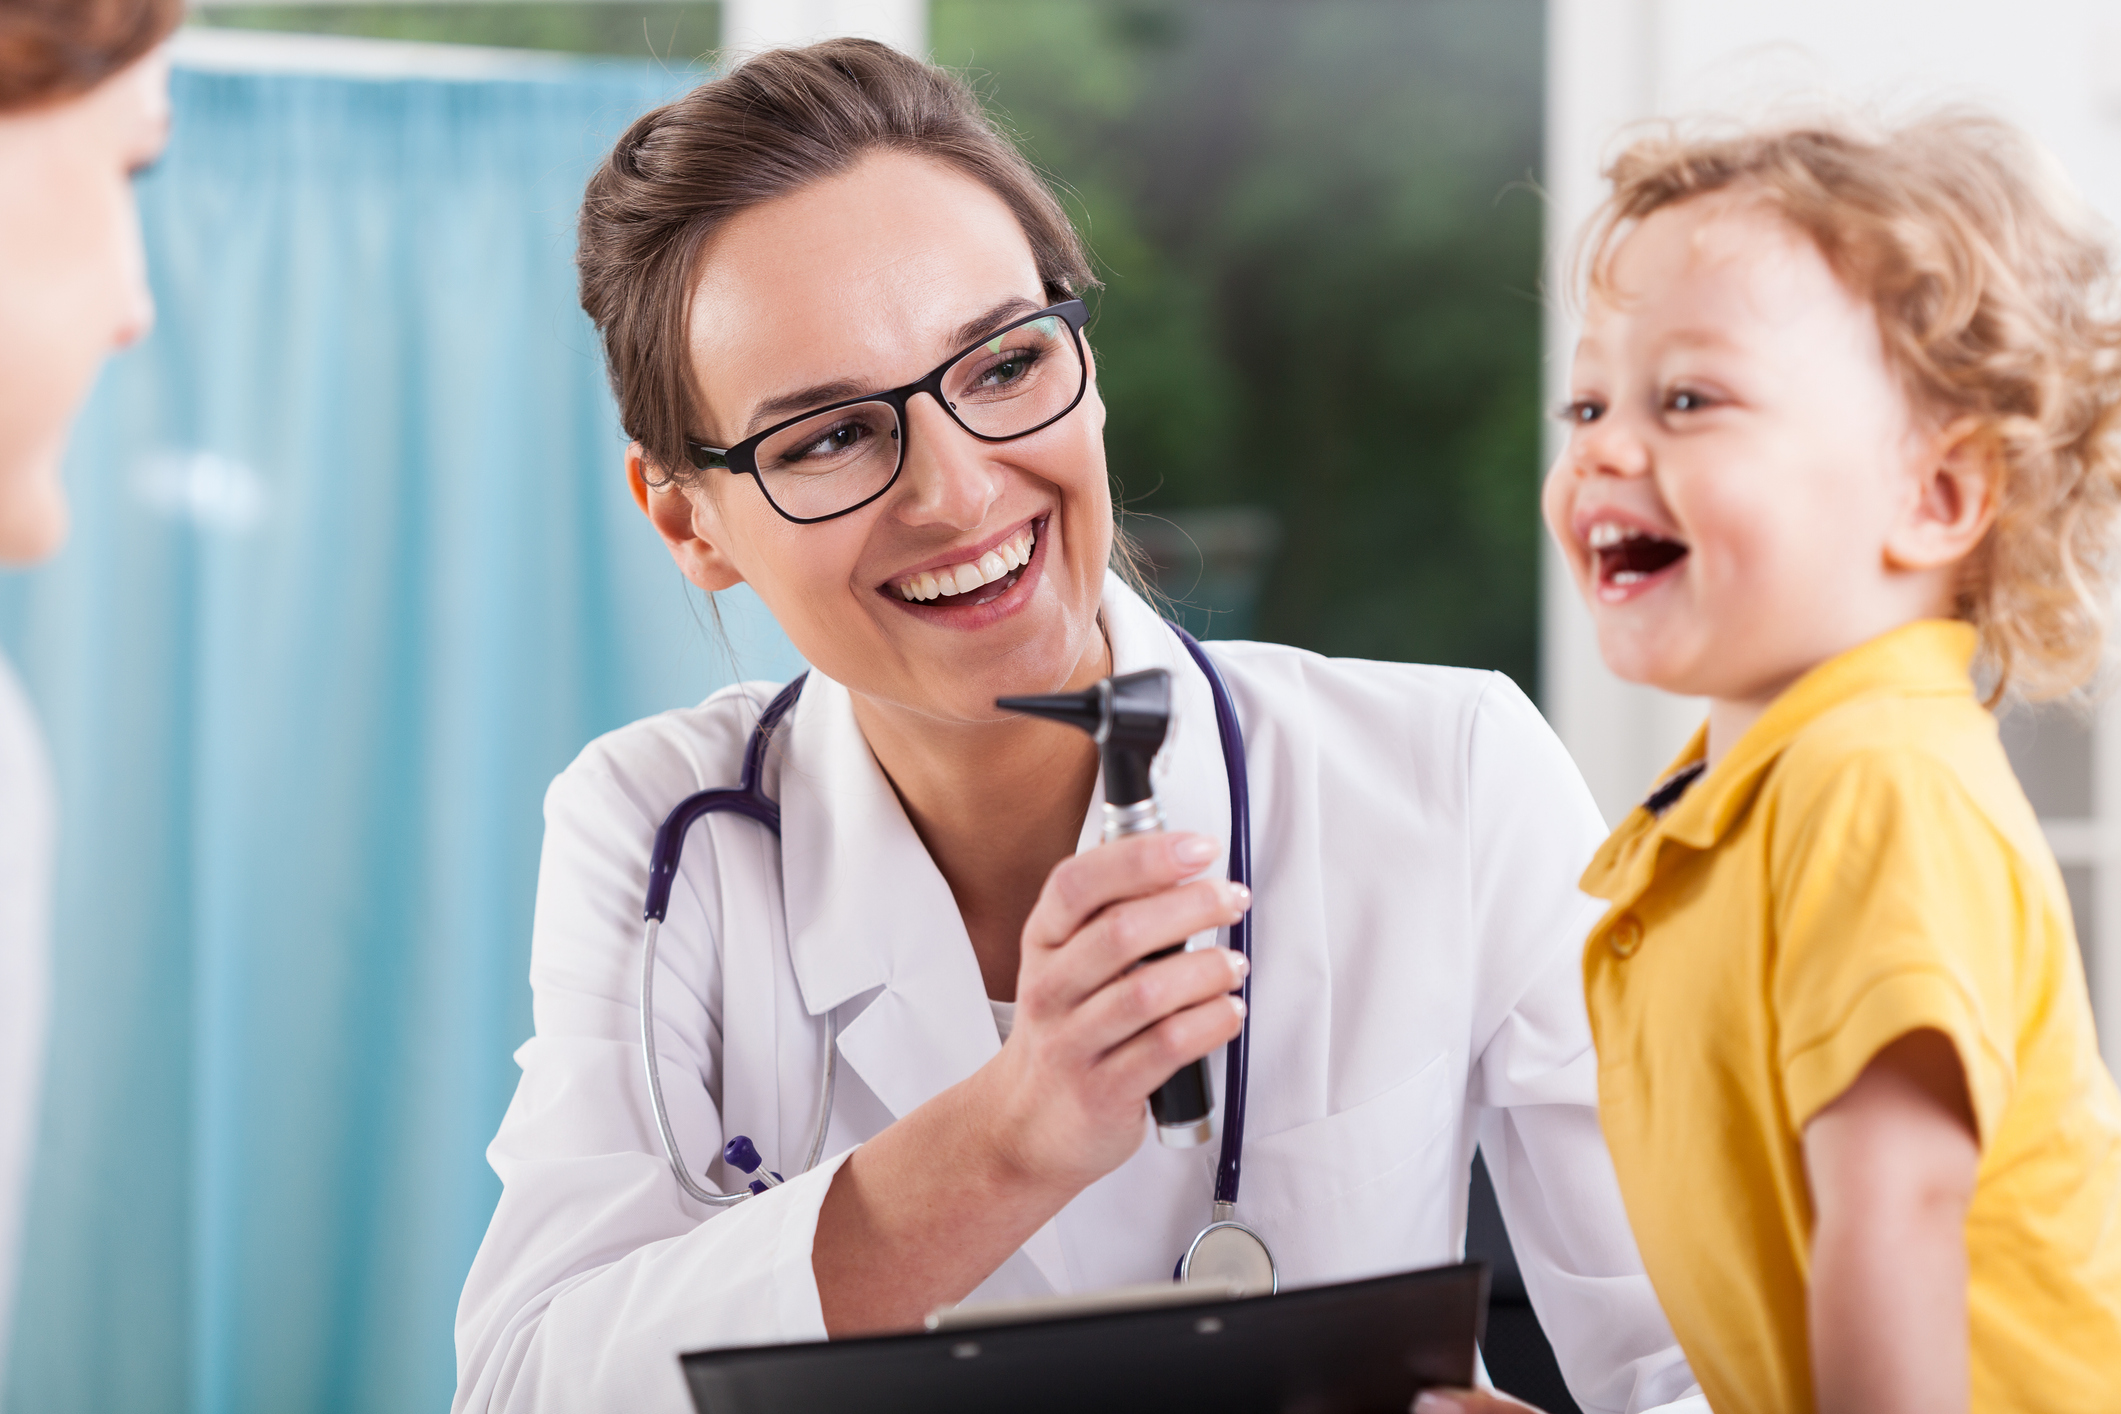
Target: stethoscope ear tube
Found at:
655, 1080
750, 801
1238, 1055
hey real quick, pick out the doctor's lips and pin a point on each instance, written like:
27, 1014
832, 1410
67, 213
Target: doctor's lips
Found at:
1625, 557
974, 581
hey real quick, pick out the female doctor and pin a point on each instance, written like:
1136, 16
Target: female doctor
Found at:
821, 226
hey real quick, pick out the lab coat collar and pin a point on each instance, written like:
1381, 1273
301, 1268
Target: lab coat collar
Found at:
866, 906
867, 909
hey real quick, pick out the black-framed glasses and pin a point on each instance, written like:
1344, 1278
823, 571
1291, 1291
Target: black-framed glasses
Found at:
836, 459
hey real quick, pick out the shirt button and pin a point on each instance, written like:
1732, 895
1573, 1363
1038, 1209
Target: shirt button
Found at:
1625, 935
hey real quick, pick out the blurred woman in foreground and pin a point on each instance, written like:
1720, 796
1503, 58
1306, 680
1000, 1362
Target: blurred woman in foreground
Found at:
83, 107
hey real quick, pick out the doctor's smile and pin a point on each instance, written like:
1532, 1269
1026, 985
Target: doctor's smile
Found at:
973, 577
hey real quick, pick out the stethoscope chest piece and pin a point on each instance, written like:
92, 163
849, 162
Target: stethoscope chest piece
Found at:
1230, 1254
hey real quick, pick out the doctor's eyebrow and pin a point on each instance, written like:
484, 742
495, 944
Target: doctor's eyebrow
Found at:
972, 330
802, 400
817, 395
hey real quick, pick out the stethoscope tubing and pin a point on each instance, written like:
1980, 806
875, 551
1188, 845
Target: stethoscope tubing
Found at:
1237, 1059
750, 800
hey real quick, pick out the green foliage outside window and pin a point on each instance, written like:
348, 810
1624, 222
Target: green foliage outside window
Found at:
1321, 248
678, 32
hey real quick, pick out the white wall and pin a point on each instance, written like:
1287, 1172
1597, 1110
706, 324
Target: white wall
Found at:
749, 25
2054, 66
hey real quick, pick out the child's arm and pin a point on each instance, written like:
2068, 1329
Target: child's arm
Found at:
1891, 1164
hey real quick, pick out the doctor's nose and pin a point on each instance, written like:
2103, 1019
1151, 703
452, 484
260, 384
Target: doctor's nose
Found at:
948, 478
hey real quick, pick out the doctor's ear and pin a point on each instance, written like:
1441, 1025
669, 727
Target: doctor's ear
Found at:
683, 516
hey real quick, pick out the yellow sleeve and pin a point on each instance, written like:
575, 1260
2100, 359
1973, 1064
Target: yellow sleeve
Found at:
1897, 908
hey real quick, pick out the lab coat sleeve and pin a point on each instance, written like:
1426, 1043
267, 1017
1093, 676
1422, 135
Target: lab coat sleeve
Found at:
596, 1271
1535, 1075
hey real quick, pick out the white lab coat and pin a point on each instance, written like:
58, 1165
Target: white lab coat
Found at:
1417, 835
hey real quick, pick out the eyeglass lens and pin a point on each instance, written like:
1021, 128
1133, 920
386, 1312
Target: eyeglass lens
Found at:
1014, 383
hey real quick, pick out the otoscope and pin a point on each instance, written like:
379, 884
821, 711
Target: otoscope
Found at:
1128, 717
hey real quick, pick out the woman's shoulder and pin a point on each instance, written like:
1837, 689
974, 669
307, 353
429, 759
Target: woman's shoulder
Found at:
657, 761
1466, 743
1379, 702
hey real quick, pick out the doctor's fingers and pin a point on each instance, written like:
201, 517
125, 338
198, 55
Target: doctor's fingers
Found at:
1140, 1000
1155, 1055
1121, 936
1125, 869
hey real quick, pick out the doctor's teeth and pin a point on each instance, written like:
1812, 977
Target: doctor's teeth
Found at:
1012, 554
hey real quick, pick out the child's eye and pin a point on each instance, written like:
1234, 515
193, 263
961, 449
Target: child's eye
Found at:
1685, 400
1581, 410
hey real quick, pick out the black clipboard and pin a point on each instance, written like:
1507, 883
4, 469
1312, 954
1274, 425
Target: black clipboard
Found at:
1346, 1349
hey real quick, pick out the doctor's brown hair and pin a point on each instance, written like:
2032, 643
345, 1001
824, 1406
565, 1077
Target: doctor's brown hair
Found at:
54, 49
775, 124
1995, 298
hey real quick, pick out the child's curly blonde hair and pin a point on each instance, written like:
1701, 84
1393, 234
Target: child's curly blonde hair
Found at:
1995, 299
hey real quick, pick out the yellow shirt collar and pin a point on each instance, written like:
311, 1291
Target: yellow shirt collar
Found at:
1927, 657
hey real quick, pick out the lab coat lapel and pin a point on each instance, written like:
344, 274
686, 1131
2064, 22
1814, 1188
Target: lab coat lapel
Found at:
868, 909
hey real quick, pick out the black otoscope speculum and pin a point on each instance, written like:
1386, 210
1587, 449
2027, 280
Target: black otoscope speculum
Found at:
1128, 717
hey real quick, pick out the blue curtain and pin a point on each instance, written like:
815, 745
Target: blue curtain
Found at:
354, 573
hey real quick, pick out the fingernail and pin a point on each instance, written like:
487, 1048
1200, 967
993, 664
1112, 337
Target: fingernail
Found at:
1239, 964
1239, 1003
1428, 1402
1238, 895
1194, 849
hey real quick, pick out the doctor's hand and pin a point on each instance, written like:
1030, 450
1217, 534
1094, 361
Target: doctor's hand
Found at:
1098, 1028
925, 1211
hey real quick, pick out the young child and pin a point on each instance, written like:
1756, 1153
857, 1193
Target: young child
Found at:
1844, 429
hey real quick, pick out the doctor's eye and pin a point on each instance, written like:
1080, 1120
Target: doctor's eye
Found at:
1580, 411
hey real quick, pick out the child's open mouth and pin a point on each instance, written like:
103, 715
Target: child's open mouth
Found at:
1628, 559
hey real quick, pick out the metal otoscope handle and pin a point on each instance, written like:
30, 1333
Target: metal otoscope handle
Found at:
1181, 1105
1129, 717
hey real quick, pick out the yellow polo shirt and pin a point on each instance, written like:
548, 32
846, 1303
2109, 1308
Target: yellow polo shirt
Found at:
1861, 865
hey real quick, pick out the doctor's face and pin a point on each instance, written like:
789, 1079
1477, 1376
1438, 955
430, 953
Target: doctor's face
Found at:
857, 284
73, 282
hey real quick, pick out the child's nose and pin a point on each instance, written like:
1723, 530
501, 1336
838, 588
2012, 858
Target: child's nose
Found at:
1610, 447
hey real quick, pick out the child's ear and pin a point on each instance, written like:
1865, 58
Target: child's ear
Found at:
1952, 502
686, 520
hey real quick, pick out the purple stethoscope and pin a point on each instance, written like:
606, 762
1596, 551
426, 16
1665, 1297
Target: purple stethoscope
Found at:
1226, 1252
